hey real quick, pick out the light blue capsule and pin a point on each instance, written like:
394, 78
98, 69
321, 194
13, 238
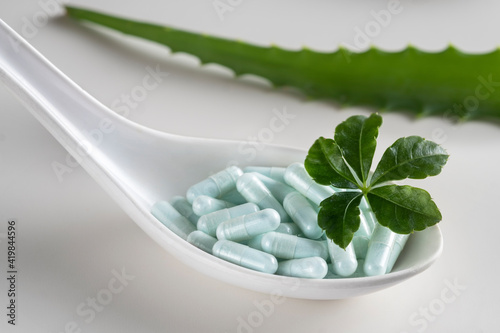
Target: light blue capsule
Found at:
309, 268
216, 185
275, 173
203, 205
365, 229
184, 207
344, 262
172, 219
278, 189
256, 242
245, 256
368, 214
202, 241
248, 226
303, 214
297, 177
379, 251
208, 223
360, 245
293, 247
399, 244
315, 206
252, 189
362, 236
234, 197
284, 228
289, 228
358, 273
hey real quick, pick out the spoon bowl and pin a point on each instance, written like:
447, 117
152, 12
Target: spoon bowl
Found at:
138, 166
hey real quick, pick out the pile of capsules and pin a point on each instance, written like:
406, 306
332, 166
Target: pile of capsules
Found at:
265, 219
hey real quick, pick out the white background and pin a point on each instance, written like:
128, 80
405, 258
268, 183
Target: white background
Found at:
71, 235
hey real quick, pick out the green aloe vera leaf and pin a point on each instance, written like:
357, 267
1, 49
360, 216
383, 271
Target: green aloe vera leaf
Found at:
449, 83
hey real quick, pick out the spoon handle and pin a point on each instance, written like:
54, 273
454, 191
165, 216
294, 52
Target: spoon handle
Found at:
69, 113
66, 110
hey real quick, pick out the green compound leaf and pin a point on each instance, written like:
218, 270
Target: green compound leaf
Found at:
325, 164
357, 137
339, 216
410, 157
403, 209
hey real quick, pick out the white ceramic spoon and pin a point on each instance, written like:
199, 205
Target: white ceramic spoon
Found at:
138, 166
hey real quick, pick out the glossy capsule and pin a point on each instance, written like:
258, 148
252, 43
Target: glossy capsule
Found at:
344, 262
399, 244
275, 173
245, 256
368, 214
253, 190
297, 177
284, 228
208, 223
278, 189
309, 268
172, 219
234, 197
379, 251
216, 185
303, 214
360, 245
248, 226
203, 205
289, 228
256, 242
184, 208
202, 241
361, 237
365, 228
358, 273
293, 247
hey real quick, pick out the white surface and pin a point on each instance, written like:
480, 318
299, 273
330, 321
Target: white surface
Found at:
72, 236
